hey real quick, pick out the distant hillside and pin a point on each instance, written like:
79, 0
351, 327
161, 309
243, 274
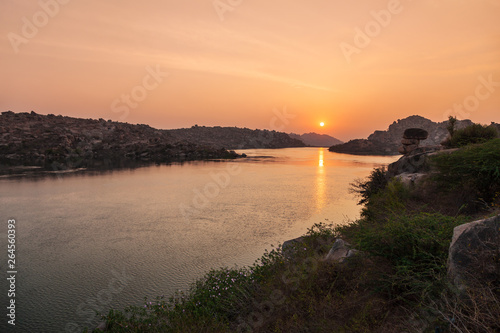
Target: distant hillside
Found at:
316, 140
387, 142
234, 137
60, 143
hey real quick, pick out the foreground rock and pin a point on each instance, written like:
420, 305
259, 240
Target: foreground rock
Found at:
340, 251
387, 142
474, 255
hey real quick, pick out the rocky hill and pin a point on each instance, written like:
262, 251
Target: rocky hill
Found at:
60, 143
234, 137
316, 140
387, 142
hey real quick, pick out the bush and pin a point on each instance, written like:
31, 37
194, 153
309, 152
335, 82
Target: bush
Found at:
376, 182
416, 247
390, 200
473, 173
472, 134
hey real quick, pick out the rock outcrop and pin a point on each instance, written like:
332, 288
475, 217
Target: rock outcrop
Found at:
365, 147
411, 140
234, 137
316, 140
61, 143
410, 167
387, 142
474, 255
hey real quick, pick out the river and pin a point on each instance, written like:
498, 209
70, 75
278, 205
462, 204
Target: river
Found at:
96, 240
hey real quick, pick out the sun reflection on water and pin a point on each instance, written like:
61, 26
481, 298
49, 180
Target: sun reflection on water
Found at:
320, 181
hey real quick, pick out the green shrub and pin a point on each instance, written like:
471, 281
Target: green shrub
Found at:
472, 134
416, 247
473, 173
451, 125
390, 200
375, 182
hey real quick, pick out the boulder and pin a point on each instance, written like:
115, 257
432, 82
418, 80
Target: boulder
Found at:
101, 327
415, 134
407, 149
289, 246
413, 162
410, 141
410, 179
340, 251
474, 253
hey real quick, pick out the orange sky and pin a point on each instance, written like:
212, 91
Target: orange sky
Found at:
280, 64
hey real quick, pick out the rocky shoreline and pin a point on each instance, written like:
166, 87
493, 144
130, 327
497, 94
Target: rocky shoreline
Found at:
30, 141
387, 142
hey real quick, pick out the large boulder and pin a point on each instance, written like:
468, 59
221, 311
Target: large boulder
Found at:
410, 179
340, 251
474, 253
415, 134
411, 140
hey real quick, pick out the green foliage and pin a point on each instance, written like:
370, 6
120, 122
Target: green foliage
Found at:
375, 182
472, 134
389, 200
415, 246
473, 172
211, 303
451, 125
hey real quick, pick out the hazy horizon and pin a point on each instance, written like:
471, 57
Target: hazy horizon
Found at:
355, 66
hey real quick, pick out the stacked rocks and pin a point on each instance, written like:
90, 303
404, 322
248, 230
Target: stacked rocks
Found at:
411, 140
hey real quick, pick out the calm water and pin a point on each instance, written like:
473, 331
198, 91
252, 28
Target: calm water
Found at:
95, 241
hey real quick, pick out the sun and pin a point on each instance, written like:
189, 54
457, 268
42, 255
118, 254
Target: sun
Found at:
321, 124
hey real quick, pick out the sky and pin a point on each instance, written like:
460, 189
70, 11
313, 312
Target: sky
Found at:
282, 65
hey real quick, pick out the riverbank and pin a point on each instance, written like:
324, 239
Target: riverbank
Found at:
397, 280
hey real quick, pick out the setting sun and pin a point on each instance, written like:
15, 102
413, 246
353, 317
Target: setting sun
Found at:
321, 124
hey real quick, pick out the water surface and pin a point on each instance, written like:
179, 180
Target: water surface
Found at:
97, 240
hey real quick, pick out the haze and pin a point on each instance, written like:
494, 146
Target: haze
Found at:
243, 62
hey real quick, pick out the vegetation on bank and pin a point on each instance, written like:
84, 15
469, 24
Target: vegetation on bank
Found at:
396, 283
473, 134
